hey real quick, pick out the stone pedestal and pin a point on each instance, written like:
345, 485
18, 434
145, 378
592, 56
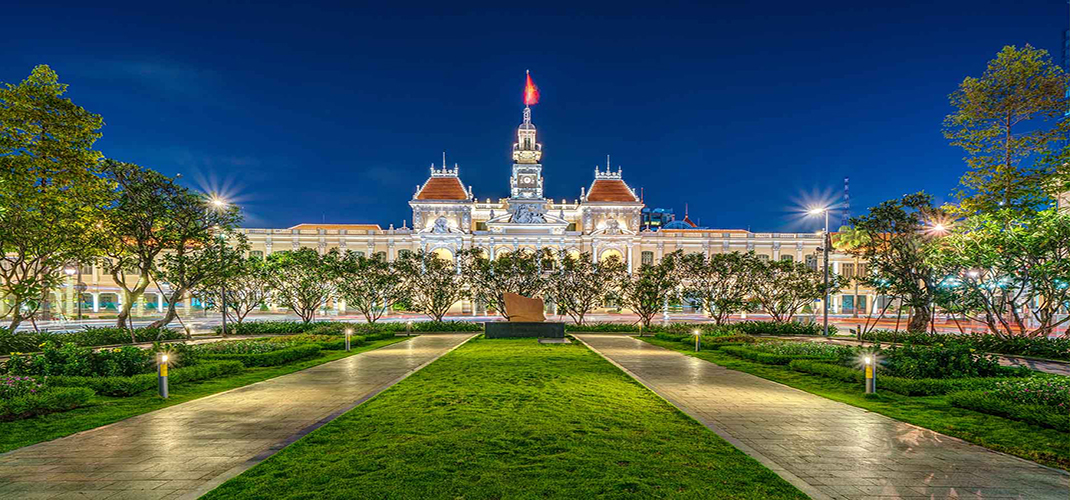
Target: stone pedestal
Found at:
519, 329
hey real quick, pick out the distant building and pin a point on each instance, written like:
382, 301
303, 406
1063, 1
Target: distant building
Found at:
657, 218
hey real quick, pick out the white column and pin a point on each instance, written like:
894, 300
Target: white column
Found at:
96, 301
629, 259
159, 302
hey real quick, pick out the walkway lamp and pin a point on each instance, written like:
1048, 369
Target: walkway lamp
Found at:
161, 375
825, 243
408, 328
698, 339
871, 375
349, 331
218, 203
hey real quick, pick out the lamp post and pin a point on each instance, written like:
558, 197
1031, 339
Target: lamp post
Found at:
698, 339
871, 376
69, 271
161, 376
220, 204
825, 243
349, 331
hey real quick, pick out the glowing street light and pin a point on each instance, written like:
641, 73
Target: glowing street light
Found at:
161, 376
349, 332
871, 379
698, 339
218, 203
825, 243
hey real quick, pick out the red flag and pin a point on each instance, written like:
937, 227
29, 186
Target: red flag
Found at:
531, 92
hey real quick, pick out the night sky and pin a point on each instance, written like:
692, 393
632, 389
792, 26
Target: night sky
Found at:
745, 111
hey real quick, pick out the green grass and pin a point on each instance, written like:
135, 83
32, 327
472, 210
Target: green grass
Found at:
103, 410
511, 418
1047, 446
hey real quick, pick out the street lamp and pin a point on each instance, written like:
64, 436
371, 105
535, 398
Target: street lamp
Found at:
69, 271
219, 204
825, 243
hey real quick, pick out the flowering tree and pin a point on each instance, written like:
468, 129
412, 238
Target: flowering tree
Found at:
646, 291
1011, 274
368, 284
247, 286
722, 282
301, 280
580, 284
783, 287
519, 272
431, 284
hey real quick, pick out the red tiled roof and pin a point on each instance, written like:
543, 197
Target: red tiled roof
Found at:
442, 188
610, 190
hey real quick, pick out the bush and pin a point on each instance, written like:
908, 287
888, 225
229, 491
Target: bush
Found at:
900, 385
957, 361
47, 401
1053, 391
774, 328
272, 358
338, 328
763, 357
841, 354
129, 386
994, 404
73, 360
326, 342
257, 346
1043, 347
15, 386
89, 337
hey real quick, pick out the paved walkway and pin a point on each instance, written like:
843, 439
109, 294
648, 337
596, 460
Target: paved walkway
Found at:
826, 448
186, 450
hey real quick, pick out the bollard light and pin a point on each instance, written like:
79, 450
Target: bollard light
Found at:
871, 379
408, 328
162, 376
698, 339
349, 331
640, 328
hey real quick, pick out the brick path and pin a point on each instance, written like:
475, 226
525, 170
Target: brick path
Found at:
826, 448
186, 450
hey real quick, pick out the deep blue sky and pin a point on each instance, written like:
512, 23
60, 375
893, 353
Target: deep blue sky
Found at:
743, 110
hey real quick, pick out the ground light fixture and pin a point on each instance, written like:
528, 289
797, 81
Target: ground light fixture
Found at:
408, 328
698, 339
871, 375
349, 332
161, 375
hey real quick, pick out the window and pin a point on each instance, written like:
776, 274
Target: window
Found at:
256, 253
359, 253
763, 257
404, 253
847, 270
789, 258
647, 258
861, 270
811, 262
380, 255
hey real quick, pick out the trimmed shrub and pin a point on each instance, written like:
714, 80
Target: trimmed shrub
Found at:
994, 404
272, 358
89, 337
129, 386
900, 385
841, 354
955, 361
766, 358
52, 400
338, 328
72, 360
12, 386
789, 328
1043, 347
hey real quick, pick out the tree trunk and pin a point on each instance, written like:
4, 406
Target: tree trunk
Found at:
919, 321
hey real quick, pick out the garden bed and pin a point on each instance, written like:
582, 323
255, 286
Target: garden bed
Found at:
23, 342
135, 384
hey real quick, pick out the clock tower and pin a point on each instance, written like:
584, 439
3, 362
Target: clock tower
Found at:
526, 183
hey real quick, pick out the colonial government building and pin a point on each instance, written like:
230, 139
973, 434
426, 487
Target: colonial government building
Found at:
447, 216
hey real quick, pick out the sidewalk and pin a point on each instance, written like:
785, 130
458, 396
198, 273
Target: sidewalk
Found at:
828, 449
186, 450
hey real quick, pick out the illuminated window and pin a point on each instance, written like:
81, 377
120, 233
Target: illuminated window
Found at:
789, 258
647, 258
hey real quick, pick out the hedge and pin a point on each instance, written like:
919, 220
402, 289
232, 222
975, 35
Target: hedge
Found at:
88, 337
1044, 416
766, 358
53, 400
273, 358
129, 386
338, 328
900, 385
788, 328
1043, 347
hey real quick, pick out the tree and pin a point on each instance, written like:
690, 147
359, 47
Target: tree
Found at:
580, 284
248, 287
196, 253
1005, 120
51, 192
431, 284
301, 280
722, 282
852, 241
518, 272
646, 291
783, 287
368, 284
1011, 274
900, 231
196, 262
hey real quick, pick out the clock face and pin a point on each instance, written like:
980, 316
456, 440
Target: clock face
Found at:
527, 179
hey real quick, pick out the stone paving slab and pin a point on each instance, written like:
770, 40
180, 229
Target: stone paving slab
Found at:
185, 450
828, 449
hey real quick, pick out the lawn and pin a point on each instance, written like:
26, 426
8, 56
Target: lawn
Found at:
103, 410
511, 418
1046, 446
